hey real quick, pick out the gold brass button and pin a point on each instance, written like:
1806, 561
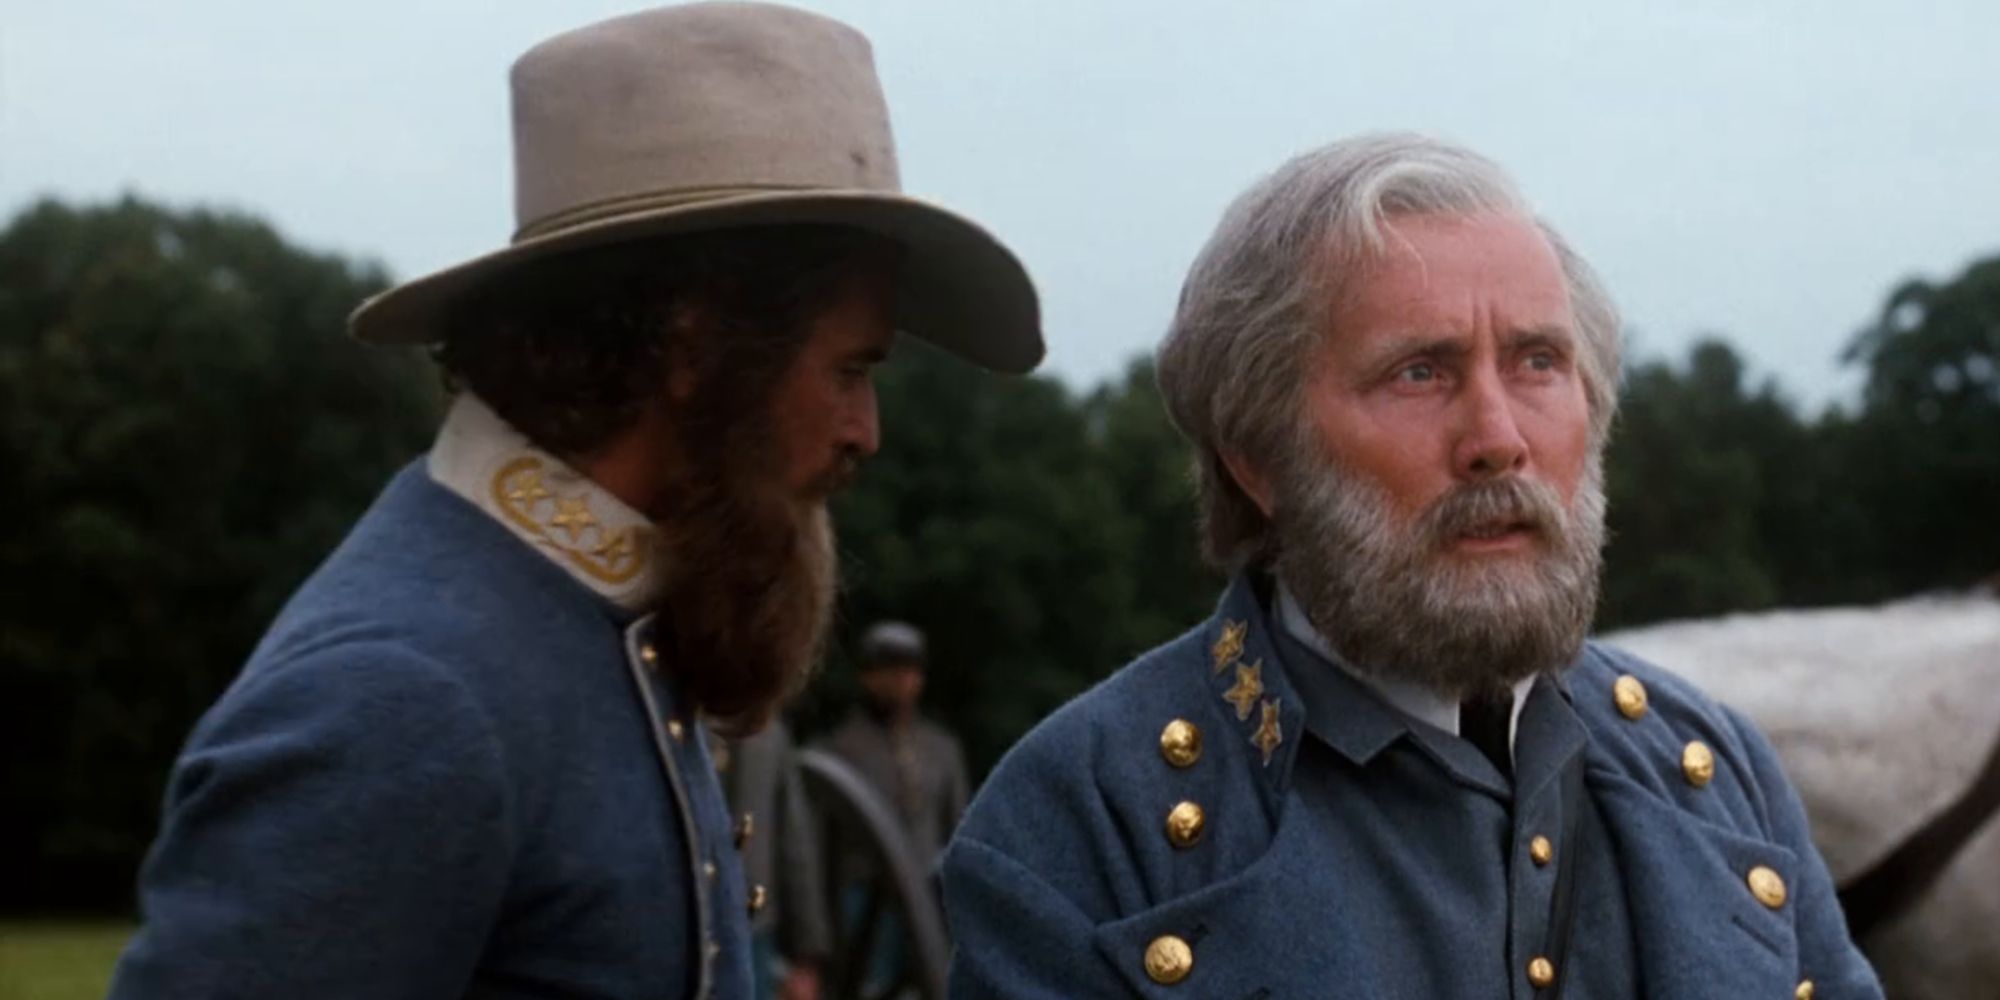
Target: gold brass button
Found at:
1184, 824
1630, 696
649, 655
1804, 992
1698, 764
745, 828
1541, 850
1541, 972
1168, 960
758, 897
676, 730
1180, 743
1767, 886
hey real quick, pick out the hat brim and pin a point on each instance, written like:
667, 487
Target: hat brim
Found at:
960, 288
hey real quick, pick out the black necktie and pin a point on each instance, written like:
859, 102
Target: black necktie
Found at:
1484, 719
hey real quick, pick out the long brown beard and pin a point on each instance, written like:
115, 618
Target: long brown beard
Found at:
745, 611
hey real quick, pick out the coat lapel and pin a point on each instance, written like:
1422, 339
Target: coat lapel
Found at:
1701, 931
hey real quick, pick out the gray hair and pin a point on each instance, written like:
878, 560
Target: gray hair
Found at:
1253, 307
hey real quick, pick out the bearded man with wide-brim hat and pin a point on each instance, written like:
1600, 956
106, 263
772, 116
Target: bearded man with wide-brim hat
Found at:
464, 759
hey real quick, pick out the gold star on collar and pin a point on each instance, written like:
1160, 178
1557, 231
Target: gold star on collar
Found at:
1230, 646
573, 515
527, 488
1249, 687
1269, 734
615, 557
617, 546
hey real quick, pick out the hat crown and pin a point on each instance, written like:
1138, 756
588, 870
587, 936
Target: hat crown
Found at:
711, 116
683, 103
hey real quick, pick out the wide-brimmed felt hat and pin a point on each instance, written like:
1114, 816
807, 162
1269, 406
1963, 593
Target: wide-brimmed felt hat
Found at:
722, 116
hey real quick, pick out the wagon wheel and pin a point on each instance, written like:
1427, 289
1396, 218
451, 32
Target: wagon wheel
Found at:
900, 900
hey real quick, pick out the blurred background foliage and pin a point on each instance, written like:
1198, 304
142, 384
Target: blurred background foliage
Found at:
187, 431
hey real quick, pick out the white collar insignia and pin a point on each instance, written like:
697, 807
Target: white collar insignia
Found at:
602, 542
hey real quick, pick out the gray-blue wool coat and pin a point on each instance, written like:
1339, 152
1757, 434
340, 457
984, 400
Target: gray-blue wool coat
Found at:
448, 770
1347, 850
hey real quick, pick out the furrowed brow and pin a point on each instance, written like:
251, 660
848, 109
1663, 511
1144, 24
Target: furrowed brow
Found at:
1552, 336
1441, 346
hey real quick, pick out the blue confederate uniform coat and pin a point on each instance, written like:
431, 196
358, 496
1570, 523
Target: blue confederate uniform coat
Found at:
450, 769
1232, 816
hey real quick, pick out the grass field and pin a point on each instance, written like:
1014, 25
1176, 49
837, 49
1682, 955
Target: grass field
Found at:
58, 959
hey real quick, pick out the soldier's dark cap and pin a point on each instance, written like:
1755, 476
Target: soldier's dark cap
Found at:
892, 644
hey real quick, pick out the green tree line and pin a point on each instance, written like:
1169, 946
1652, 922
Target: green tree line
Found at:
187, 431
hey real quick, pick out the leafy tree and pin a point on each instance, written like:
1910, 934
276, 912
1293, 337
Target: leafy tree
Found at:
187, 431
993, 520
1923, 457
1686, 475
1724, 500
1151, 470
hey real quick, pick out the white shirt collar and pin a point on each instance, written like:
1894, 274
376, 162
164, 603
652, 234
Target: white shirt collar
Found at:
580, 526
1410, 698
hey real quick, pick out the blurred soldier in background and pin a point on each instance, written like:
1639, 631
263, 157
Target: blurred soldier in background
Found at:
778, 836
913, 762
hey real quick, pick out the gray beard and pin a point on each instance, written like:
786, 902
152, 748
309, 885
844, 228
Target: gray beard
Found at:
1394, 603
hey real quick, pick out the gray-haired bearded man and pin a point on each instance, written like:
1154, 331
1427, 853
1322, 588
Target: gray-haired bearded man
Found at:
466, 759
1390, 765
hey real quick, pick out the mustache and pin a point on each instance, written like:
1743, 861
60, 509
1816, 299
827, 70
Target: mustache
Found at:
1529, 504
838, 476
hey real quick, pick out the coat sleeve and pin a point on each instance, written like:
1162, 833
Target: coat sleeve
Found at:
1016, 937
958, 788
337, 826
1827, 955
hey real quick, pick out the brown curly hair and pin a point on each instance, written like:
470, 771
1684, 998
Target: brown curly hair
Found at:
572, 351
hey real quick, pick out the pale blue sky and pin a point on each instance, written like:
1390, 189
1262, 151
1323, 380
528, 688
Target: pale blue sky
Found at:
1768, 171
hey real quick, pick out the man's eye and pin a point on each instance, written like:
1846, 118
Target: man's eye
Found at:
1542, 361
1422, 371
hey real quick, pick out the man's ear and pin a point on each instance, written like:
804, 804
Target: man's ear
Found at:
1249, 478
